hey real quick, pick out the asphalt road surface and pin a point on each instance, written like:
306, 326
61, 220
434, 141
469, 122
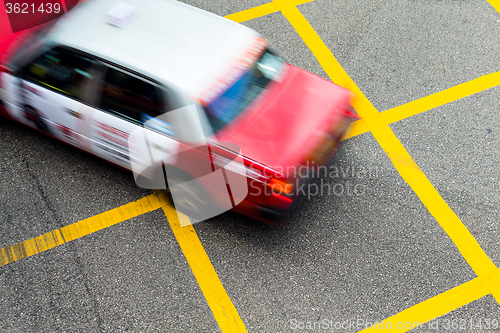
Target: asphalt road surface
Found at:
415, 239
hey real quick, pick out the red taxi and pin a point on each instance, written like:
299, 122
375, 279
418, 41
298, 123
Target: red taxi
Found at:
172, 92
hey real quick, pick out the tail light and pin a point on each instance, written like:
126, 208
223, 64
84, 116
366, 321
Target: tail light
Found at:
260, 175
279, 186
280, 189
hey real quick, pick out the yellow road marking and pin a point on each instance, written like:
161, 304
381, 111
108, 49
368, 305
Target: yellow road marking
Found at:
224, 311
259, 11
217, 298
429, 102
495, 4
253, 12
401, 159
357, 127
79, 229
439, 305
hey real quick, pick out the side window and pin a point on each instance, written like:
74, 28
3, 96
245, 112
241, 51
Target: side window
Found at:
129, 97
61, 70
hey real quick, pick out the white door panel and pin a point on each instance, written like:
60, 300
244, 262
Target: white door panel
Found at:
51, 112
109, 138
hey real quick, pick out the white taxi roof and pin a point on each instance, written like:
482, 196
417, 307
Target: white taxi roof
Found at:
166, 40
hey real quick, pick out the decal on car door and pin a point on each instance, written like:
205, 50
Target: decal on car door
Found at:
109, 138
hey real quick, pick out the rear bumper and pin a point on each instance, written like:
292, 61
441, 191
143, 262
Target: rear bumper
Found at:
268, 213
259, 212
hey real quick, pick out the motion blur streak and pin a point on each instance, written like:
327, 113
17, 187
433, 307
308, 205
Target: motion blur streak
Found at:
223, 309
426, 103
79, 229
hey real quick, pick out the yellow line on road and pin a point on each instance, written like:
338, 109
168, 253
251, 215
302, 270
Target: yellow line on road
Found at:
401, 159
217, 298
495, 4
249, 14
400, 112
79, 229
419, 314
462, 90
358, 127
223, 309
426, 103
259, 11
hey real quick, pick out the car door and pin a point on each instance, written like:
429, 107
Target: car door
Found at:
53, 90
125, 101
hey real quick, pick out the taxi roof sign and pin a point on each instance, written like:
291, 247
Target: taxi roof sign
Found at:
121, 15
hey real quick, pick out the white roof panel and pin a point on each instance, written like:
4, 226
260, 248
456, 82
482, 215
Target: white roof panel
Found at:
166, 40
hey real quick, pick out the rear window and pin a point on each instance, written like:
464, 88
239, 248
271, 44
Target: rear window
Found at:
235, 99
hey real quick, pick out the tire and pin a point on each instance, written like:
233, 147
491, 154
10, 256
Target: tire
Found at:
190, 196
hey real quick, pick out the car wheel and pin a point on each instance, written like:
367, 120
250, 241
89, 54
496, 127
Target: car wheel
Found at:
188, 195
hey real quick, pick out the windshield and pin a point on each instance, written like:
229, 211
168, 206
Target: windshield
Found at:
235, 99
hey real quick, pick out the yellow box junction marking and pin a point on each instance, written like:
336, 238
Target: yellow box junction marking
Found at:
78, 229
54, 238
223, 309
401, 159
226, 315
